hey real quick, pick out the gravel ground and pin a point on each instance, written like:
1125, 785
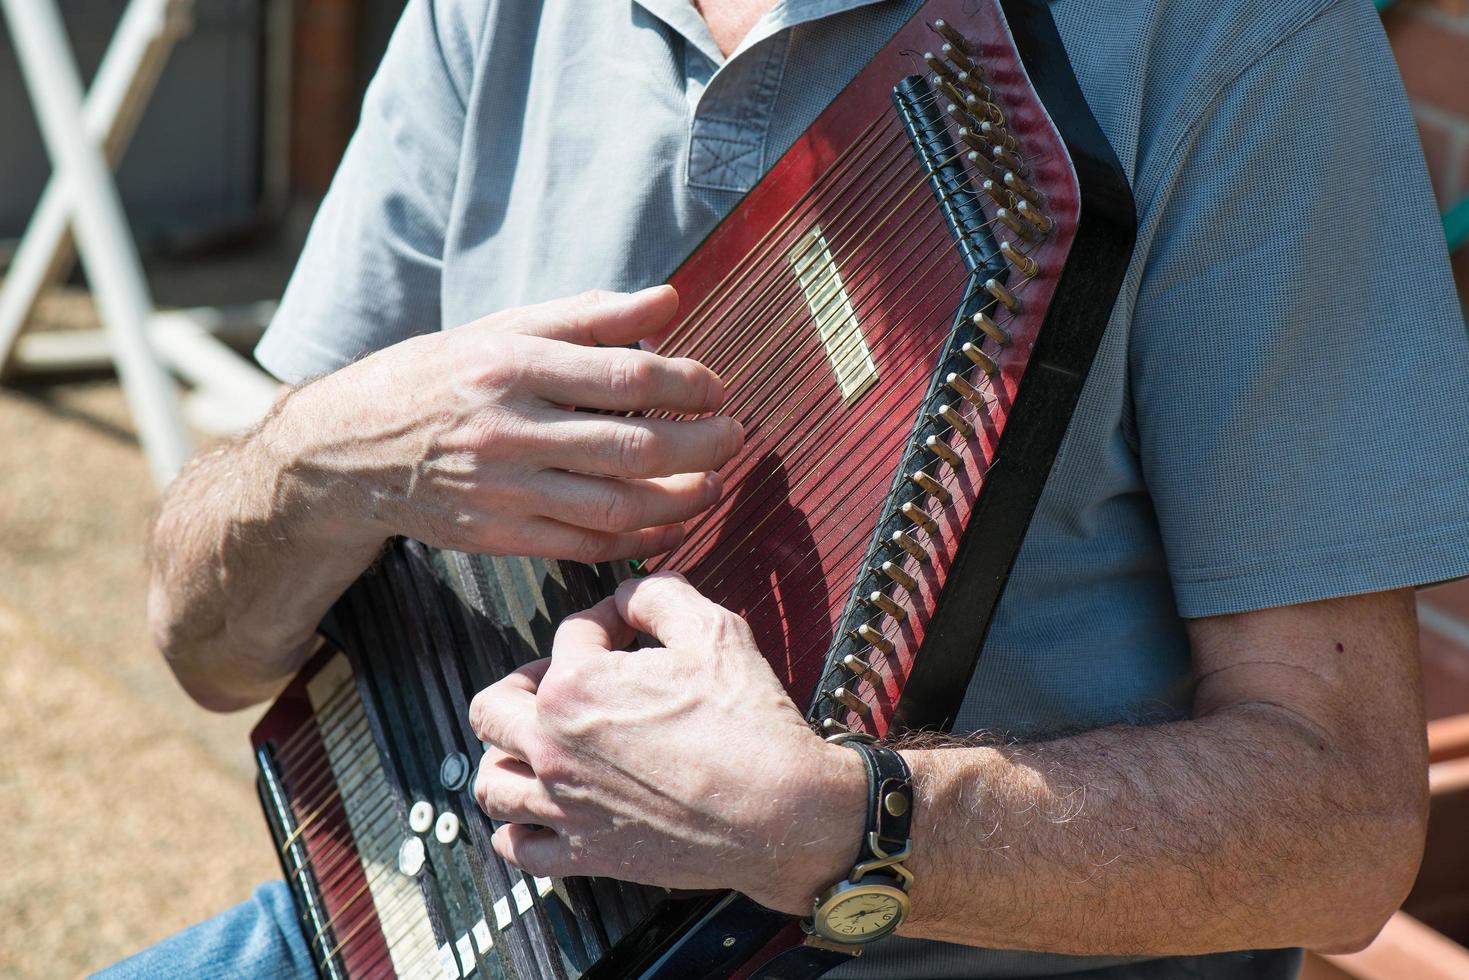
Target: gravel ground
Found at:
126, 813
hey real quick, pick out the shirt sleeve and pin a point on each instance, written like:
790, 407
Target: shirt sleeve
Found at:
369, 275
1299, 366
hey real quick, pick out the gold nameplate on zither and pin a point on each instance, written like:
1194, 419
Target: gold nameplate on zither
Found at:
832, 312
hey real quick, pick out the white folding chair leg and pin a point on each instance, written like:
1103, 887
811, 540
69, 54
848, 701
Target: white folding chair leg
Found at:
113, 268
125, 79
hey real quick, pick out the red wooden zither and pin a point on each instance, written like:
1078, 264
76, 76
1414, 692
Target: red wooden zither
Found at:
809, 460
797, 544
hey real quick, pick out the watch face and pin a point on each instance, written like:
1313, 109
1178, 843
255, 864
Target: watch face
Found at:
864, 913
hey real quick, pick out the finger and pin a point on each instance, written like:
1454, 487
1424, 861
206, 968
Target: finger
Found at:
543, 537
623, 380
595, 317
504, 715
639, 448
607, 504
507, 789
534, 850
666, 606
598, 628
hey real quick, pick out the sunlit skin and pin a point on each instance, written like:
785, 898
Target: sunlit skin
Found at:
1289, 810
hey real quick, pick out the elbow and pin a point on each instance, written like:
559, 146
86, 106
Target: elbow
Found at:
1382, 867
168, 636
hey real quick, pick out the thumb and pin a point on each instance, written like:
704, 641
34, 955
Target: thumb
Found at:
595, 317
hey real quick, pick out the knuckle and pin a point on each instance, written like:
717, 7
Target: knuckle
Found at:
616, 509
728, 627
479, 713
635, 449
629, 375
482, 794
589, 548
593, 300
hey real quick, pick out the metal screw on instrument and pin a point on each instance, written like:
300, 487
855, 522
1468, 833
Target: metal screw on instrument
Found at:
729, 941
454, 771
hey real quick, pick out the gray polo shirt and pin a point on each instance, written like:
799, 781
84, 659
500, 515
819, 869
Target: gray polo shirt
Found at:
1279, 410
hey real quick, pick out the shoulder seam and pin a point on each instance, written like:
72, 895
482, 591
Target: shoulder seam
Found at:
1229, 76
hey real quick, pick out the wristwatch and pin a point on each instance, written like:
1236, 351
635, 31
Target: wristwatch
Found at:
873, 900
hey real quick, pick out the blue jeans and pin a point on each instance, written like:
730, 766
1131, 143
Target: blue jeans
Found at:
261, 940
256, 940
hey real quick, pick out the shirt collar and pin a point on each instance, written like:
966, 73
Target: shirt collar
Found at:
683, 18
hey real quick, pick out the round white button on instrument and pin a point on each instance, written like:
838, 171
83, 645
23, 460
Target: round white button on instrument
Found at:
421, 817
447, 829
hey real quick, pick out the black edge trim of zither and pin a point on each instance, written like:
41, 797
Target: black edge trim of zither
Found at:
1073, 328
304, 887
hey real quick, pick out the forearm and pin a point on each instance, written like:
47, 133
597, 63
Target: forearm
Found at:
248, 552
1247, 828
460, 439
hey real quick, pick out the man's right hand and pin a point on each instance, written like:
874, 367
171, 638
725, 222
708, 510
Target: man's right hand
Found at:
466, 438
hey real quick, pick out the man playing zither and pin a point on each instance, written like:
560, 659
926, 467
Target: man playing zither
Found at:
1204, 668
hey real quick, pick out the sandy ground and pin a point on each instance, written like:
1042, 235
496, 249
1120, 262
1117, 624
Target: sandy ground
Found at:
126, 813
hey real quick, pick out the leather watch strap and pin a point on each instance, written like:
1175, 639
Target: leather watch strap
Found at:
889, 797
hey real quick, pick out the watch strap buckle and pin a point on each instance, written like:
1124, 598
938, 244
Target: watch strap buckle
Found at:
884, 860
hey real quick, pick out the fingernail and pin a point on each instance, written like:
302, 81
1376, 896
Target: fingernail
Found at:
735, 437
713, 488
670, 537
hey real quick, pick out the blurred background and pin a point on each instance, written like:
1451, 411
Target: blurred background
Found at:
126, 812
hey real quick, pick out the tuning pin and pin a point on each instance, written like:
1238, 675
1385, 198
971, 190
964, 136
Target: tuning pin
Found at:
882, 601
956, 421
1032, 194
1002, 196
901, 577
946, 31
860, 668
919, 516
830, 726
1033, 214
956, 56
1014, 222
979, 162
1018, 259
930, 486
965, 390
852, 703
874, 638
981, 360
1006, 160
971, 80
941, 449
1002, 293
997, 135
939, 66
947, 86
906, 542
991, 329
972, 139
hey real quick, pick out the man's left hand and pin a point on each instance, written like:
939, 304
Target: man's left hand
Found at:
685, 765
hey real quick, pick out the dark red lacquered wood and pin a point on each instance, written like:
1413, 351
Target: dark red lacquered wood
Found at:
789, 543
